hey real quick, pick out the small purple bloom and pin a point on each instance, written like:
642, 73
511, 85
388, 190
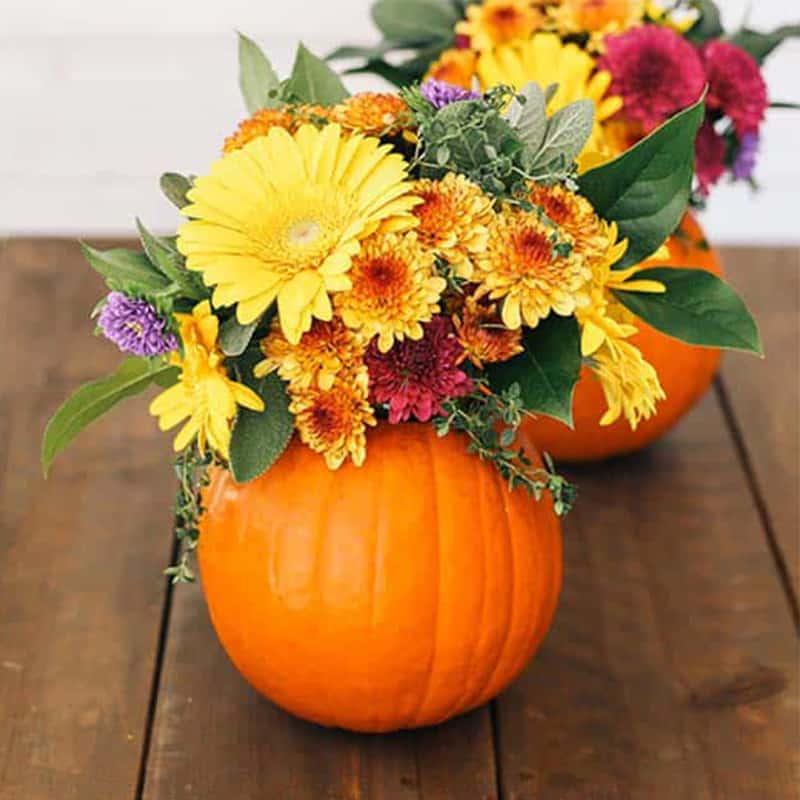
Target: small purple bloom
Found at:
135, 326
440, 93
745, 163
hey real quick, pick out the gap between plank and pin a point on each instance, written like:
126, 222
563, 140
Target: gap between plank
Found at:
496, 751
761, 506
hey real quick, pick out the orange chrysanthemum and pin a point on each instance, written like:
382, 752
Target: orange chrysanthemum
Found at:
496, 22
394, 289
334, 421
455, 66
373, 113
524, 266
453, 220
597, 16
483, 336
316, 360
265, 119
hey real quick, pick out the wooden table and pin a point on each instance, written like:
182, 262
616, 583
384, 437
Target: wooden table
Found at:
670, 672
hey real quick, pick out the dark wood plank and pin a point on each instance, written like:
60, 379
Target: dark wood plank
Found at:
81, 589
765, 396
213, 732
671, 669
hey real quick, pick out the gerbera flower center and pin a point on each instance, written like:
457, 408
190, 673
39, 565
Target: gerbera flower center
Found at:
304, 233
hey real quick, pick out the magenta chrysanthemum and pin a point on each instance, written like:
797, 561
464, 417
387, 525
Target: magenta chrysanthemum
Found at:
709, 157
415, 377
655, 71
135, 326
735, 85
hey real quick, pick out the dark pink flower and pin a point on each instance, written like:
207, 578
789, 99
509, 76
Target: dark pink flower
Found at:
735, 85
655, 71
416, 377
709, 157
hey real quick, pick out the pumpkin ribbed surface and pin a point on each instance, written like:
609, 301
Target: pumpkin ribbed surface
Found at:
392, 596
685, 371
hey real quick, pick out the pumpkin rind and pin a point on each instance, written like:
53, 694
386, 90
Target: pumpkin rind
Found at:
392, 596
685, 371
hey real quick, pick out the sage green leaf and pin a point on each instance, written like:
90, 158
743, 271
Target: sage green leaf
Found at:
313, 81
646, 189
94, 399
419, 21
126, 270
164, 255
698, 308
258, 80
567, 132
529, 119
175, 187
759, 44
547, 371
260, 438
234, 337
708, 25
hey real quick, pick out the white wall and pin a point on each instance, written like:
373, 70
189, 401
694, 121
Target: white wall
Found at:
98, 97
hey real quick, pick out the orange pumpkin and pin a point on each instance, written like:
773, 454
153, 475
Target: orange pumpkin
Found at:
686, 372
392, 596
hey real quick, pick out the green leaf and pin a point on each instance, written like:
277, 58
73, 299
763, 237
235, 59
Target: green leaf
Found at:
697, 308
259, 439
126, 270
759, 44
234, 337
175, 187
415, 20
548, 369
163, 254
94, 399
257, 79
529, 120
709, 24
647, 188
313, 81
567, 132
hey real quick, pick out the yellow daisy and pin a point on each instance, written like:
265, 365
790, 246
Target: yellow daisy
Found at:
281, 219
453, 220
204, 392
496, 22
523, 266
394, 289
373, 113
456, 66
334, 421
546, 60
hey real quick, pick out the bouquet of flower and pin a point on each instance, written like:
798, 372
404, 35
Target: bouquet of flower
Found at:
431, 256
638, 61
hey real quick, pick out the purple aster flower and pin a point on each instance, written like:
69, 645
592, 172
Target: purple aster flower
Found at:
440, 93
135, 326
745, 163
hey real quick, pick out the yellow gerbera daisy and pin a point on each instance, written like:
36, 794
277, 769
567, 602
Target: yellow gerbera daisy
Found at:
283, 217
204, 392
334, 421
456, 66
317, 359
394, 289
597, 17
453, 220
373, 113
496, 22
546, 60
523, 266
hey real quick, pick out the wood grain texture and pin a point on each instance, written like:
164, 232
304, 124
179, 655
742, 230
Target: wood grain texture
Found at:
81, 555
765, 396
671, 668
212, 732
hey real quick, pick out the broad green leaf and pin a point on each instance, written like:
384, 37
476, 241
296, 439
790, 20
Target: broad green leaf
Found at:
709, 24
94, 399
175, 187
697, 308
164, 255
368, 53
235, 337
548, 369
257, 79
415, 20
126, 270
646, 189
759, 44
529, 119
313, 81
259, 439
567, 132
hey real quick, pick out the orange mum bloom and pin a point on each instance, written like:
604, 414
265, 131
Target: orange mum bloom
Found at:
496, 22
455, 66
265, 119
483, 336
373, 113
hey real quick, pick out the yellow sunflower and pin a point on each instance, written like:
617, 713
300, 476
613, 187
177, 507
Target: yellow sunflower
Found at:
546, 60
524, 267
496, 22
204, 392
373, 113
394, 289
282, 218
456, 66
453, 220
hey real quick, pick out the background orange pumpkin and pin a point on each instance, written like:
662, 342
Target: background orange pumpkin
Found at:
392, 596
686, 372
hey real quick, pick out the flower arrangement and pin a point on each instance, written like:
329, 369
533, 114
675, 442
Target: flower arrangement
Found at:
431, 256
638, 61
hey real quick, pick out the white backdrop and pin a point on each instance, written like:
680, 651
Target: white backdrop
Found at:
98, 97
